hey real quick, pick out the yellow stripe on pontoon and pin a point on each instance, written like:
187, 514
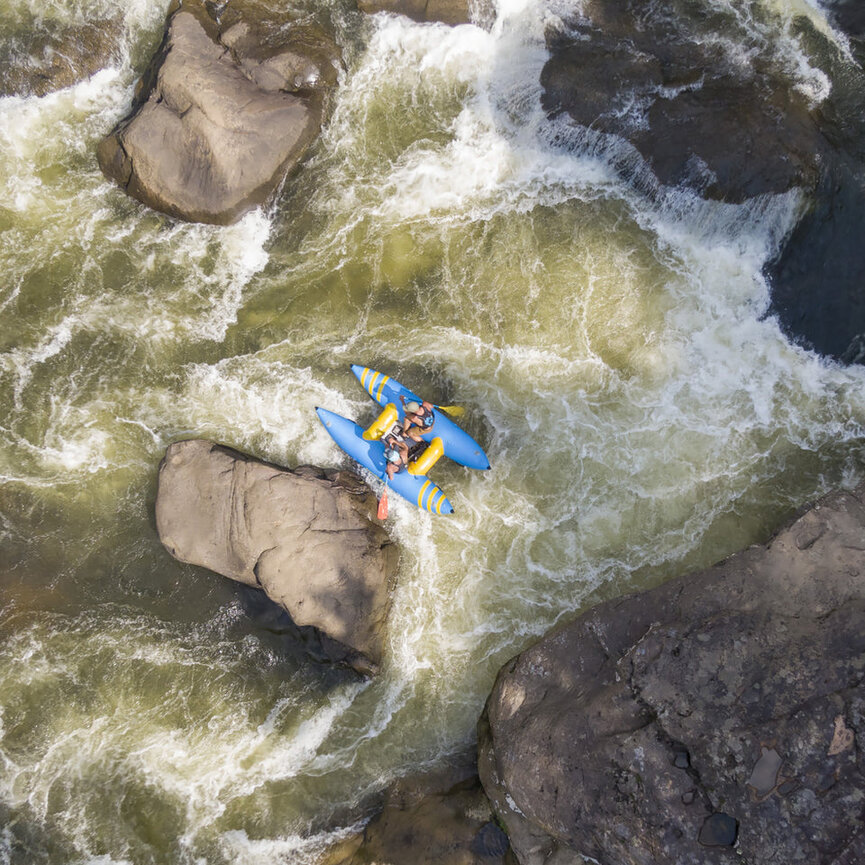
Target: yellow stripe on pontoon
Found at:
372, 381
439, 503
384, 381
421, 493
363, 376
437, 494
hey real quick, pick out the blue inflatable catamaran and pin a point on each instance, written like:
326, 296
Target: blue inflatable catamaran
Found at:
365, 445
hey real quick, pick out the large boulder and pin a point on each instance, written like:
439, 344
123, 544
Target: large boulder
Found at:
717, 718
706, 102
697, 113
230, 103
307, 537
46, 56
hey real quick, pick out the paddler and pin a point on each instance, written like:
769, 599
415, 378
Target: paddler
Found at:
419, 418
395, 451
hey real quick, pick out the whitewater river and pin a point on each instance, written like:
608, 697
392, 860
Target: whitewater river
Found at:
642, 414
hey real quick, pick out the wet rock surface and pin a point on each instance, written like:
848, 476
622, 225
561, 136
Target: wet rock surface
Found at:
817, 279
307, 538
230, 103
444, 11
848, 16
753, 668
733, 125
437, 819
696, 113
719, 830
50, 56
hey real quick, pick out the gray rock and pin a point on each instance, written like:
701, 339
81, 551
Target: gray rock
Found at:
308, 538
818, 276
753, 667
225, 110
719, 830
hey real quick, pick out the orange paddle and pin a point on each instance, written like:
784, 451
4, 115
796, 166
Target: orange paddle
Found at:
382, 504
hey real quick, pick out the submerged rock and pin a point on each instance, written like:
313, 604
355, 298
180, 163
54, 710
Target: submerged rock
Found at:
754, 668
50, 57
308, 538
442, 818
444, 11
230, 103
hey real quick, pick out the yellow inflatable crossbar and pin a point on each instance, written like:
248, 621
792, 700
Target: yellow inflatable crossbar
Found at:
382, 423
428, 458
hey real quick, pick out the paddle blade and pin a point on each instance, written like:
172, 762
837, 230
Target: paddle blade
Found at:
455, 410
382, 506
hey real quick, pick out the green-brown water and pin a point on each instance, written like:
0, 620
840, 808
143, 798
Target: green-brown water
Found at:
642, 419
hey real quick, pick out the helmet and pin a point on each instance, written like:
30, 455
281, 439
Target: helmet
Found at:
391, 455
412, 407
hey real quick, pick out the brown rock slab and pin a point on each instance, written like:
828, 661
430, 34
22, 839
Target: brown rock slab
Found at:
307, 537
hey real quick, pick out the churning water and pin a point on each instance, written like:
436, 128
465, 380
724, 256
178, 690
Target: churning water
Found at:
642, 415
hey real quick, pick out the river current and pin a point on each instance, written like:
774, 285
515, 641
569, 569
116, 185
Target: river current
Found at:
643, 415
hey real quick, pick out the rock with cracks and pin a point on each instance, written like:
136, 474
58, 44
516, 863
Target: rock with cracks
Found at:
230, 103
308, 538
717, 718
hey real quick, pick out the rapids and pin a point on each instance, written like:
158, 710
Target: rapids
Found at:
643, 416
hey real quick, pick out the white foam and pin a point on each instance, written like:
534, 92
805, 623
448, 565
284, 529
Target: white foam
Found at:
288, 849
103, 859
263, 405
231, 759
240, 255
491, 162
203, 767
